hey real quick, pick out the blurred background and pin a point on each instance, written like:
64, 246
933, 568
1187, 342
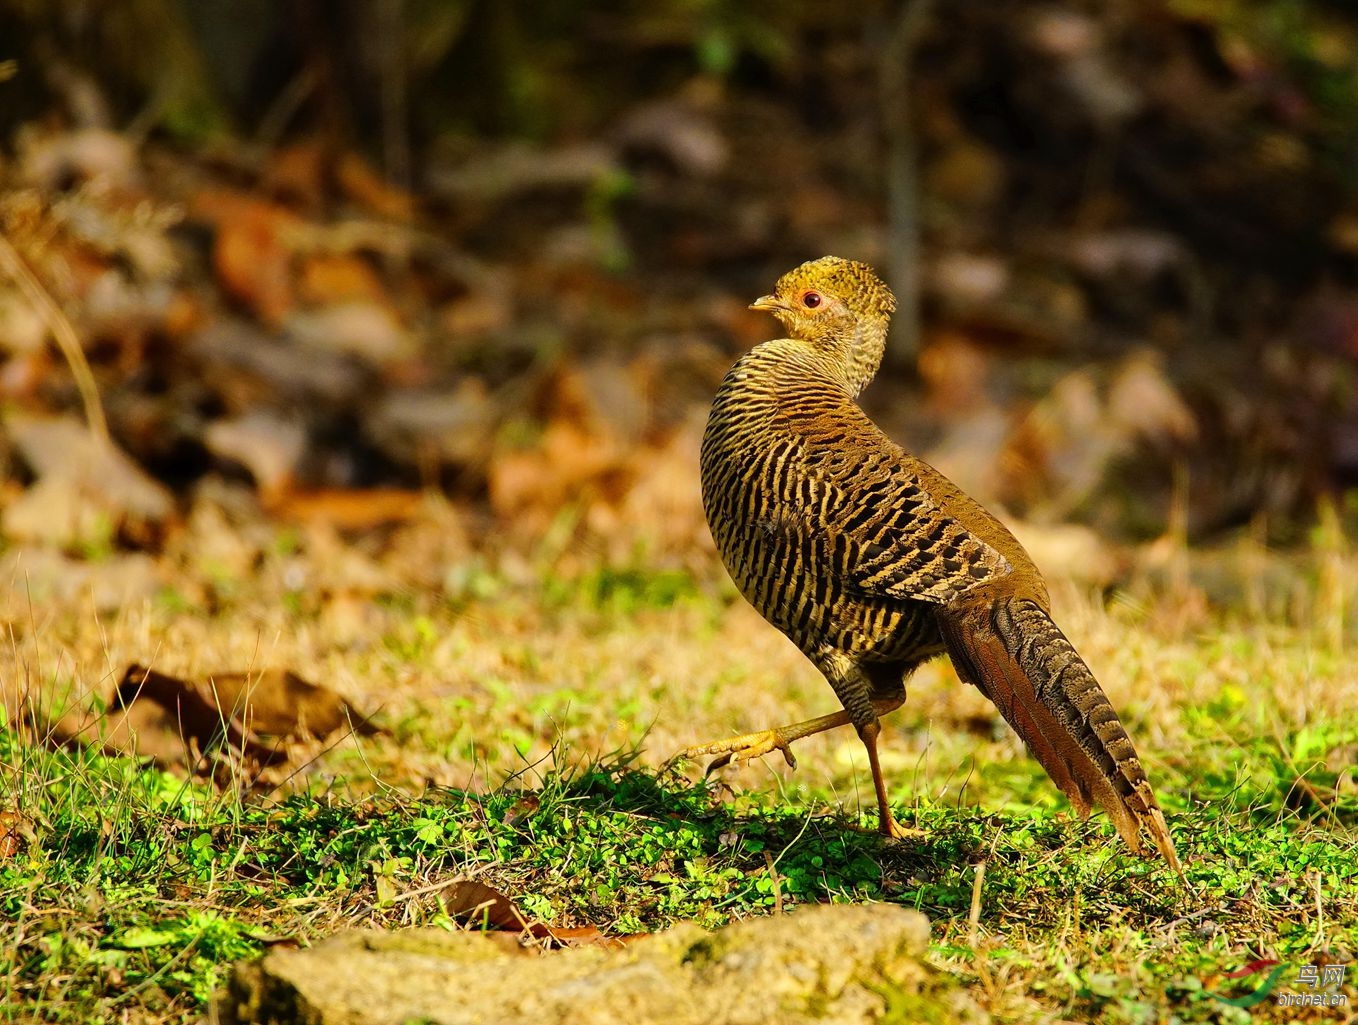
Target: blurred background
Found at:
320, 258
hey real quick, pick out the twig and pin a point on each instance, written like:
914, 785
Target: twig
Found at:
974, 918
1319, 940
279, 114
13, 263
777, 884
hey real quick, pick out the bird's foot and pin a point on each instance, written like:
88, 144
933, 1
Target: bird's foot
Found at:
739, 750
893, 830
900, 832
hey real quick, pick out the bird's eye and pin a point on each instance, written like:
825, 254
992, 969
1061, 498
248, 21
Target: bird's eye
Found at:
811, 300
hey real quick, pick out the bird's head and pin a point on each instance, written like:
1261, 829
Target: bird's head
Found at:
839, 306
828, 296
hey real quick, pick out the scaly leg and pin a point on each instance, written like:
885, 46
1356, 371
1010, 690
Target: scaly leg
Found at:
886, 821
752, 745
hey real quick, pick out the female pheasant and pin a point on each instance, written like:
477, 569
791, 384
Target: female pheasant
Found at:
872, 562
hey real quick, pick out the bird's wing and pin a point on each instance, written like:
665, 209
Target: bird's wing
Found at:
889, 535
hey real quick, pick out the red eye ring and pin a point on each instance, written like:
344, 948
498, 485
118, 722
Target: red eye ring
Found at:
811, 300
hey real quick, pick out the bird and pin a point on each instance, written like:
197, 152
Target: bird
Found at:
872, 562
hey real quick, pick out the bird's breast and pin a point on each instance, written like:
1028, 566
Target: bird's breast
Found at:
768, 517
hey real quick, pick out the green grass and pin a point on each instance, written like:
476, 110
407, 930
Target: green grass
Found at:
136, 890
132, 891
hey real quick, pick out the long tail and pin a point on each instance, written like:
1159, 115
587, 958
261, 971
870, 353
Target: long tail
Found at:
1015, 655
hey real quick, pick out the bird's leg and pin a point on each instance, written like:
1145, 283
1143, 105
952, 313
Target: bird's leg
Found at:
886, 821
863, 703
742, 748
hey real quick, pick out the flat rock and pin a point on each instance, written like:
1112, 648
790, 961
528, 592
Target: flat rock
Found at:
823, 964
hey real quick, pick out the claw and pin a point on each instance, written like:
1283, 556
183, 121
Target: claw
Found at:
740, 750
899, 832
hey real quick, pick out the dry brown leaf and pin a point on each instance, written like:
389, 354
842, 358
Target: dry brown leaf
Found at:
364, 186
328, 278
280, 703
259, 720
47, 158
351, 509
1144, 403
268, 444
1059, 452
172, 727
13, 828
43, 576
450, 425
956, 374
664, 499
681, 129
369, 331
84, 487
483, 906
253, 253
299, 173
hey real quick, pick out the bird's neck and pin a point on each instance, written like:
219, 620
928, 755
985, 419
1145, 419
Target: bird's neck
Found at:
855, 353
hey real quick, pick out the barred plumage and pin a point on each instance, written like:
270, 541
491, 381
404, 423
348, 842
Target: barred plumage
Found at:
871, 562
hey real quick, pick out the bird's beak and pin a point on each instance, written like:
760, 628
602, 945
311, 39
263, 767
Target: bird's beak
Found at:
771, 304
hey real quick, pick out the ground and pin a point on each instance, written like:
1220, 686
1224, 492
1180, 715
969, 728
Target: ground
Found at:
528, 703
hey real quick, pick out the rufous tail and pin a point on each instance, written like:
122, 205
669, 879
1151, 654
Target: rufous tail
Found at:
1010, 649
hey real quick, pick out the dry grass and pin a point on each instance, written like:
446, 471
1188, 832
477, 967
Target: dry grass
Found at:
1230, 669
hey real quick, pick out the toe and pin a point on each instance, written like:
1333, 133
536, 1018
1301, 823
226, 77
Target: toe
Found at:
720, 762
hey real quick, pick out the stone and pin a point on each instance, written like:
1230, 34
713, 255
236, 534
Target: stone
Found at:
824, 964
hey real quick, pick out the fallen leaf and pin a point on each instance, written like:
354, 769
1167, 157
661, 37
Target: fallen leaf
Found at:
519, 167
249, 365
266, 443
42, 575
329, 278
682, 130
87, 488
55, 160
351, 509
255, 720
299, 173
1144, 403
523, 808
280, 703
366, 330
455, 425
483, 906
364, 186
252, 255
13, 826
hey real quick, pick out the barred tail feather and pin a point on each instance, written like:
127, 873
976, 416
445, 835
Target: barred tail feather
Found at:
1014, 654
